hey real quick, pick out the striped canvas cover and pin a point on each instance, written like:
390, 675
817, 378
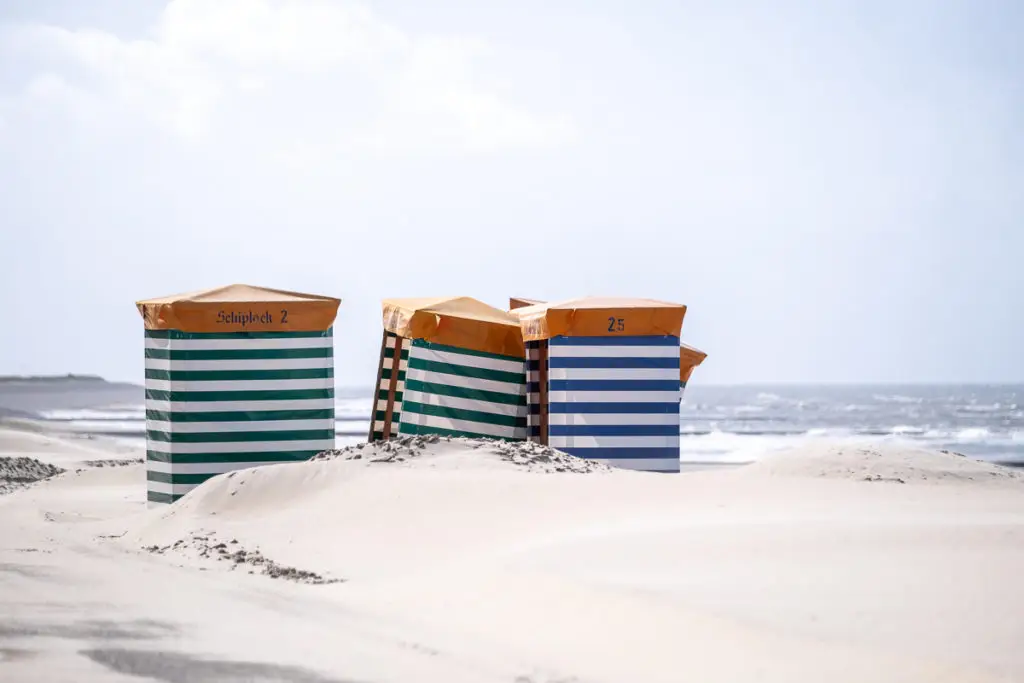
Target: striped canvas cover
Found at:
384, 384
217, 402
616, 399
533, 353
458, 392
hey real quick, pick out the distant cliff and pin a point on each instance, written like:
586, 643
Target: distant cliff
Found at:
29, 395
50, 379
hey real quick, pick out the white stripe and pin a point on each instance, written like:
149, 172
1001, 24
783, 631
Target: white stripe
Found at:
403, 363
266, 364
516, 366
383, 405
240, 446
248, 426
533, 354
613, 397
391, 343
462, 425
240, 344
613, 419
385, 385
234, 406
242, 385
614, 441
615, 373
613, 352
466, 404
642, 464
511, 388
209, 467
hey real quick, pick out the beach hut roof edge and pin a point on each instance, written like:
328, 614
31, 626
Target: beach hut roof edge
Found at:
455, 321
599, 317
237, 293
239, 308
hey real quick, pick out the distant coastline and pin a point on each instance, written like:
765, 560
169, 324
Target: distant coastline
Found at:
70, 377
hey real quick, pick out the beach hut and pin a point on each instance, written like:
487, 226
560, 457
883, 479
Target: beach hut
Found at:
605, 378
452, 366
236, 377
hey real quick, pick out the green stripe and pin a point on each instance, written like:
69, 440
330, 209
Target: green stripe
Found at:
460, 414
466, 352
390, 353
241, 416
467, 371
238, 437
238, 375
425, 429
382, 395
386, 374
168, 478
155, 497
463, 392
395, 416
240, 354
200, 396
178, 334
378, 436
197, 458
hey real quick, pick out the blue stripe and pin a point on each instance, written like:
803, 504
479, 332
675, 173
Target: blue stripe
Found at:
614, 408
613, 430
533, 387
613, 385
535, 431
633, 362
533, 365
671, 454
666, 340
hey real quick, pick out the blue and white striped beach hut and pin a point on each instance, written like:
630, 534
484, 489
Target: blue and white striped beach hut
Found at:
604, 379
236, 377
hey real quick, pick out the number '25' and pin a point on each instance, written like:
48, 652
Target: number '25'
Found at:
616, 325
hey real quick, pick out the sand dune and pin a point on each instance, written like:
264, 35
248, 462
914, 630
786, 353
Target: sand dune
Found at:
456, 561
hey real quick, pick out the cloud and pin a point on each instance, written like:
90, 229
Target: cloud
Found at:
382, 88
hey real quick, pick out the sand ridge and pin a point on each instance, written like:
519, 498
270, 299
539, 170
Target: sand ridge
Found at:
881, 462
21, 472
425, 450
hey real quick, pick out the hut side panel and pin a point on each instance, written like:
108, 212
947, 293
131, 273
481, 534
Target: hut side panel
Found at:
384, 393
217, 402
533, 391
459, 392
616, 399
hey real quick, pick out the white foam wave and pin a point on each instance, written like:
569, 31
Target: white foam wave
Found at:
896, 398
984, 408
972, 434
94, 414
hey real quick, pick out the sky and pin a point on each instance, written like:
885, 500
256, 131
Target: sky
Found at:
834, 189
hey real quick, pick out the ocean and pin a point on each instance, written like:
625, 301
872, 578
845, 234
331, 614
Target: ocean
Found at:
719, 424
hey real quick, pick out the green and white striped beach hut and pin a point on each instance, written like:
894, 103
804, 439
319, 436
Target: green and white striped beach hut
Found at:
236, 377
451, 366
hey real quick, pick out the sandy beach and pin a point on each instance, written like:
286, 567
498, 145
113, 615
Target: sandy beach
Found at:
462, 561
